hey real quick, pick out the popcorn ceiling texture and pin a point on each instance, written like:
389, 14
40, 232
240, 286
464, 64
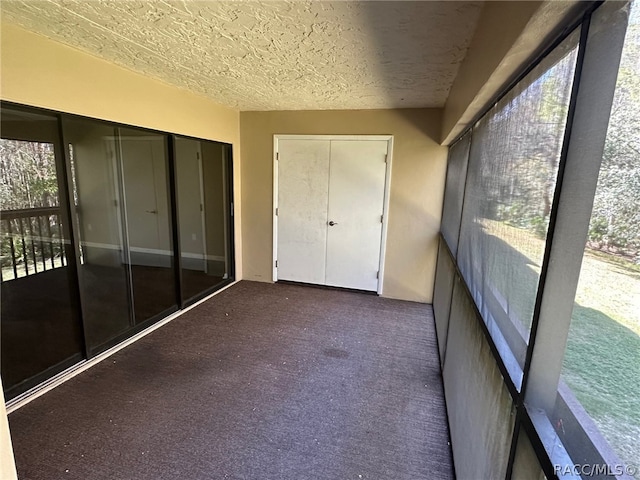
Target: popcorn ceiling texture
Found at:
272, 55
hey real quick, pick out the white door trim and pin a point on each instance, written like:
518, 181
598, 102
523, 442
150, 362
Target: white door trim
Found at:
387, 189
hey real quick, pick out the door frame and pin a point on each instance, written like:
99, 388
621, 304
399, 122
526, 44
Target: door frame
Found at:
387, 189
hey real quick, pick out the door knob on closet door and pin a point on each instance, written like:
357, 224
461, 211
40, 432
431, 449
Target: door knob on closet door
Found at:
332, 223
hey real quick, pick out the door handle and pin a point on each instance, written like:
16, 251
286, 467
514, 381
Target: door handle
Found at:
151, 211
332, 223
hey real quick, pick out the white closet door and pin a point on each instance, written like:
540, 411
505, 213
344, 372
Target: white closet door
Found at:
303, 186
356, 204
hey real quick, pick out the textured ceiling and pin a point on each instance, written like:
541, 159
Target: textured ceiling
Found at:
272, 55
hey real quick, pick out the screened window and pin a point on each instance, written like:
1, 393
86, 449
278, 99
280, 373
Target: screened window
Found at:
549, 251
513, 167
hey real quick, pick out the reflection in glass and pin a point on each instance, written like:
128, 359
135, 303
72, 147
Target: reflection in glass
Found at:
602, 358
513, 166
143, 162
103, 268
40, 333
126, 271
203, 222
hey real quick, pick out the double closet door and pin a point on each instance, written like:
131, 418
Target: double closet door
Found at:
330, 210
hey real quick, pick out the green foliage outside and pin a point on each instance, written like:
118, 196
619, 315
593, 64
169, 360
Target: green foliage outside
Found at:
28, 180
615, 222
27, 175
524, 197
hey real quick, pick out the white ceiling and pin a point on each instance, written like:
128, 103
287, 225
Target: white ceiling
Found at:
272, 55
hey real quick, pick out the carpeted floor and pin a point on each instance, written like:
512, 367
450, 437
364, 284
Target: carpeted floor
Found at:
261, 382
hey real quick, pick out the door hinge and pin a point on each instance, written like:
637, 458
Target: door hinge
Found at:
386, 155
276, 263
277, 155
381, 218
378, 274
276, 211
197, 155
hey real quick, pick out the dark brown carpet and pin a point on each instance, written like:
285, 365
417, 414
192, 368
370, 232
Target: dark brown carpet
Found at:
261, 382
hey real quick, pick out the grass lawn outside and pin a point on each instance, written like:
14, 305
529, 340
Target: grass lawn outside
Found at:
602, 358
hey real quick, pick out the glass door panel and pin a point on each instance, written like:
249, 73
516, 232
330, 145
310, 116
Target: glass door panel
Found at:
145, 179
40, 330
203, 214
103, 269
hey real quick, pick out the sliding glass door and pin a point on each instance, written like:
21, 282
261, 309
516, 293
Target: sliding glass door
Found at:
145, 181
202, 178
104, 229
103, 268
126, 268
40, 330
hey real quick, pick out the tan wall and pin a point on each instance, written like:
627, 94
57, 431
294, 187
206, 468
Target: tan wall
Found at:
7, 465
417, 183
40, 72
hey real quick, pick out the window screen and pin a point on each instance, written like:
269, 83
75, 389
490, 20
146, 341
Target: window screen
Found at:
513, 165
